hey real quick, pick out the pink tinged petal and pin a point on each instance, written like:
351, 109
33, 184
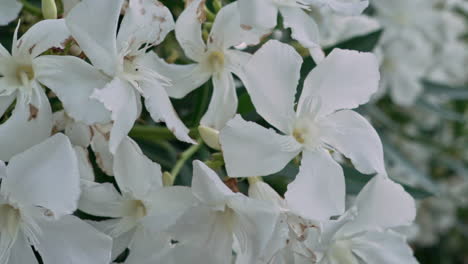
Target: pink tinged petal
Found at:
135, 173
274, 97
303, 27
71, 240
101, 200
382, 203
9, 12
121, 99
42, 36
252, 150
384, 247
55, 177
73, 81
28, 125
145, 22
208, 187
189, 32
161, 110
5, 102
353, 136
183, 78
223, 103
318, 192
250, 11
339, 83
93, 25
228, 32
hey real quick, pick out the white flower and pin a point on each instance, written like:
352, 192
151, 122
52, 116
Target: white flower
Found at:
220, 216
9, 11
363, 234
121, 56
320, 123
213, 60
263, 14
143, 205
37, 197
24, 71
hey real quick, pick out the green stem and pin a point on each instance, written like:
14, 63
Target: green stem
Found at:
32, 9
155, 133
183, 159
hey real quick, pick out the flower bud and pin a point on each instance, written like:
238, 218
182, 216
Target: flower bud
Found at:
49, 9
210, 136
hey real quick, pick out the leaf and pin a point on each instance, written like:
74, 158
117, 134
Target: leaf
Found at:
364, 43
440, 111
448, 91
245, 104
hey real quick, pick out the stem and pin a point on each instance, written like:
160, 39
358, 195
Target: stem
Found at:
253, 180
155, 133
34, 10
183, 158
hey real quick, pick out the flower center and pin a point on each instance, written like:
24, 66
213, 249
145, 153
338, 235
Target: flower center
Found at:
9, 220
24, 74
306, 132
138, 209
216, 60
340, 252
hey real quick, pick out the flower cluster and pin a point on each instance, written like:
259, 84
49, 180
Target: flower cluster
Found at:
72, 89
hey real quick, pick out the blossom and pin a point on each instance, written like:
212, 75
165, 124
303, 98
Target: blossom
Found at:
321, 122
143, 205
214, 59
144, 25
9, 11
41, 216
24, 71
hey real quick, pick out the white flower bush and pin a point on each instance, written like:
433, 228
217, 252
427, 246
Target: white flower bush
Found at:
90, 173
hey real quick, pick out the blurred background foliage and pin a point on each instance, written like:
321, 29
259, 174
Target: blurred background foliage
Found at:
426, 144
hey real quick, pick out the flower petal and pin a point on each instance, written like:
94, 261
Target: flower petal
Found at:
9, 12
84, 164
55, 177
382, 203
303, 27
71, 240
208, 187
336, 75
93, 25
252, 150
21, 252
353, 136
274, 97
28, 125
318, 192
257, 13
189, 32
223, 103
348, 8
73, 81
5, 102
101, 200
135, 173
161, 110
100, 146
40, 37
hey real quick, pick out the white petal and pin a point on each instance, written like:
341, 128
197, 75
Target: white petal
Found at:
303, 27
28, 125
235, 61
2, 170
208, 187
100, 146
145, 22
348, 8
68, 5
274, 97
382, 203
71, 240
9, 11
120, 98
189, 32
223, 103
134, 172
253, 226
167, 206
79, 133
101, 200
55, 176
161, 110
119, 243
383, 247
42, 36
5, 102
353, 136
93, 25
84, 164
183, 78
258, 13
252, 150
21, 252
227, 31
318, 192
73, 81
339, 83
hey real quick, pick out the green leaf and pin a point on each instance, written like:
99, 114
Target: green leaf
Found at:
245, 104
448, 91
364, 43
